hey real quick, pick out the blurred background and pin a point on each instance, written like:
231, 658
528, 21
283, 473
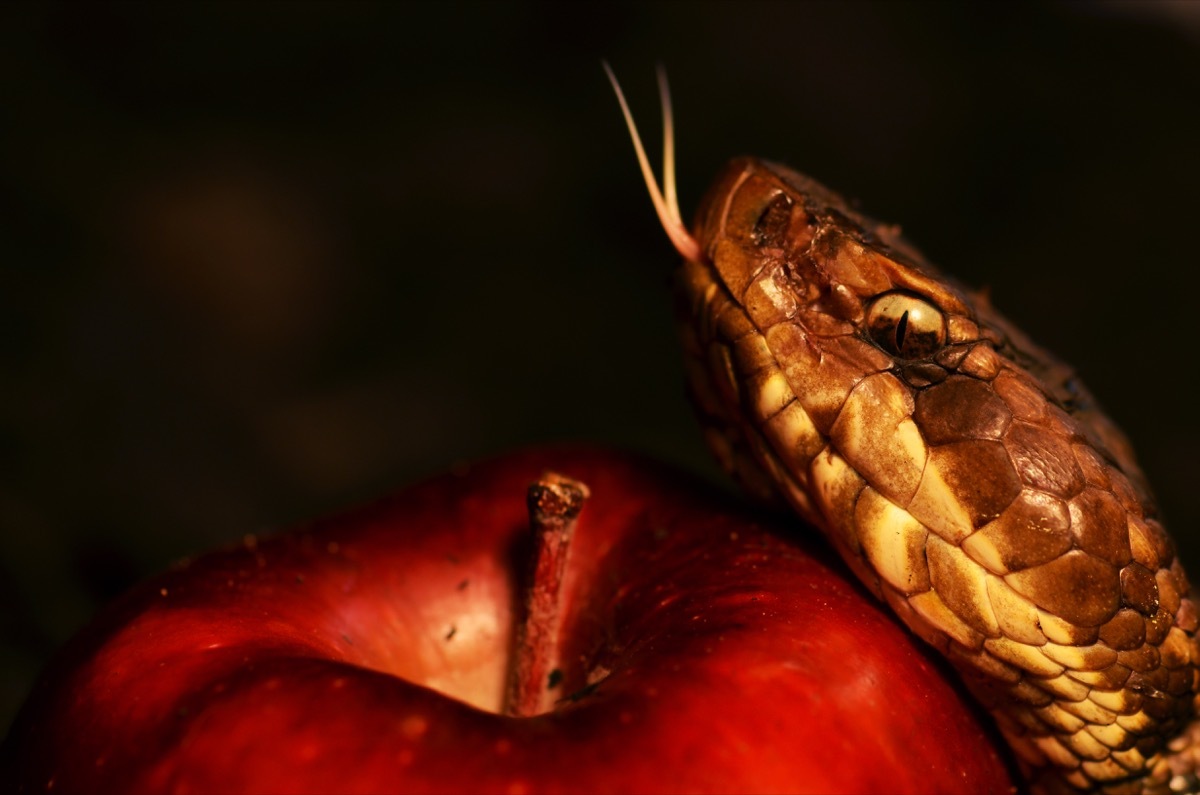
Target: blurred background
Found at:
261, 261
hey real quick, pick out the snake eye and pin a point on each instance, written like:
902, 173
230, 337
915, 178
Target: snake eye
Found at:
906, 326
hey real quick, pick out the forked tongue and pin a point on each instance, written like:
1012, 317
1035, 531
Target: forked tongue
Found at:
666, 203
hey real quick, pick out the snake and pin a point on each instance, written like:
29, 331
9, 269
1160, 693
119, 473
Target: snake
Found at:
965, 475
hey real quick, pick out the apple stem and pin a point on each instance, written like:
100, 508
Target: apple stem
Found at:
554, 504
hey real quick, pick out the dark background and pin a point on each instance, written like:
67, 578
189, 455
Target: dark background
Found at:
262, 261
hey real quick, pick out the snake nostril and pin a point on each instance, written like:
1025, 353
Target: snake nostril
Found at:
772, 223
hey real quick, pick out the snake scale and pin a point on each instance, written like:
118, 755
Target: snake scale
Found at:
966, 476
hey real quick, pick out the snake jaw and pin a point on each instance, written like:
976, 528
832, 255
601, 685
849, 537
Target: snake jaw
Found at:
666, 202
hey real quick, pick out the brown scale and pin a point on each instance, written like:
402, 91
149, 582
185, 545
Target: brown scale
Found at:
966, 476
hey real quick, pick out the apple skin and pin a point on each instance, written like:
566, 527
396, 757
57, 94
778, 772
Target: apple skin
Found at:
726, 651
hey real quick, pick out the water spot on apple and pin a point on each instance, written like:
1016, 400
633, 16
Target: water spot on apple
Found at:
502, 747
661, 533
50, 784
299, 579
625, 718
518, 788
162, 591
405, 757
414, 727
333, 547
338, 684
250, 541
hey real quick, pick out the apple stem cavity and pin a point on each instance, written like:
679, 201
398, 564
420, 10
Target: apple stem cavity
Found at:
554, 505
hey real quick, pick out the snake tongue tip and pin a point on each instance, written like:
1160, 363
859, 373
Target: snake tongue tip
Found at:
665, 201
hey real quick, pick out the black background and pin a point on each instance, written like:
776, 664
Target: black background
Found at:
262, 261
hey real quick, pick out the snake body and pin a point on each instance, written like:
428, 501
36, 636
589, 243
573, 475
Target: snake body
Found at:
965, 476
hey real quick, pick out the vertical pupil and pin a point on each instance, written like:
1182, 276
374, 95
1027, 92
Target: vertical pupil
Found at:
901, 330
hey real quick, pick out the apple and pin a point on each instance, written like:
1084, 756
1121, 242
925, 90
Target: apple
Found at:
432, 643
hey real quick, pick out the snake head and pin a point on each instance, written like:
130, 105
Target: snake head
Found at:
964, 474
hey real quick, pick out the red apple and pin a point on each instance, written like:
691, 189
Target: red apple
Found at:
701, 648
